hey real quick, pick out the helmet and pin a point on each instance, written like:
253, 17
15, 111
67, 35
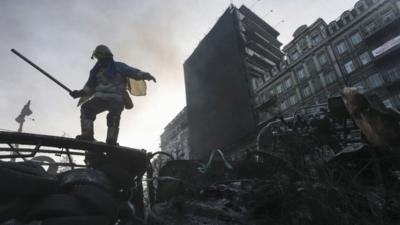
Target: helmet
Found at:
102, 51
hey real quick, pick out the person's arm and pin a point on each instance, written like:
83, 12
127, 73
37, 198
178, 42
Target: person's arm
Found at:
134, 73
88, 88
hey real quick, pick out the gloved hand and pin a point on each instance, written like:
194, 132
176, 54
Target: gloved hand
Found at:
148, 76
77, 93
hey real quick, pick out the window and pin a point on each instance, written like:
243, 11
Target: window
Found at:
388, 16
295, 54
311, 66
393, 74
370, 27
300, 74
258, 82
272, 92
303, 44
323, 59
330, 77
306, 91
288, 83
347, 19
349, 67
284, 105
365, 58
361, 8
356, 38
375, 81
316, 81
279, 88
341, 47
267, 76
316, 39
292, 99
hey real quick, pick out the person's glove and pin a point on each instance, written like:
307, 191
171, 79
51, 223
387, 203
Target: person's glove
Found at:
148, 76
77, 93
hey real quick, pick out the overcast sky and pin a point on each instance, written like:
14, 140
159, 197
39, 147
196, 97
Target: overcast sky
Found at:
154, 35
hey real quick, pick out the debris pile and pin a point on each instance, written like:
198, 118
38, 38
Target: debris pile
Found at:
29, 195
331, 167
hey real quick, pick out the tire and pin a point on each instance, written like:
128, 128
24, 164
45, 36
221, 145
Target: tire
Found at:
16, 183
120, 178
96, 201
85, 176
13, 209
27, 167
56, 205
78, 220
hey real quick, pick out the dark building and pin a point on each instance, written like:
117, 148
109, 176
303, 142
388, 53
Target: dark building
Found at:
220, 107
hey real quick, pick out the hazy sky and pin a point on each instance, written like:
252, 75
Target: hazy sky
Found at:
154, 35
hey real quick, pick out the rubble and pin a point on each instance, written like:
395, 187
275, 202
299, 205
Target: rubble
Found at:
308, 170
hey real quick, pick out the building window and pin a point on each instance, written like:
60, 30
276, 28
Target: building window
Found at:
316, 39
375, 81
330, 77
288, 83
356, 38
349, 67
323, 59
347, 19
370, 27
393, 74
365, 58
361, 8
284, 105
257, 82
388, 16
279, 88
303, 45
306, 91
295, 54
272, 92
300, 74
293, 100
267, 76
341, 47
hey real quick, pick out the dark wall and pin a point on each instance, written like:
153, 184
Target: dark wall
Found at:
217, 91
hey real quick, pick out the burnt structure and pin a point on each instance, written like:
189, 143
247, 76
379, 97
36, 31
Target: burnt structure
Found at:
218, 75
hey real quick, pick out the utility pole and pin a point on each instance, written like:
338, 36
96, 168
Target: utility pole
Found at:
26, 111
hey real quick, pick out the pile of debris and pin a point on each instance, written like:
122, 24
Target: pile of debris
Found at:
306, 171
29, 195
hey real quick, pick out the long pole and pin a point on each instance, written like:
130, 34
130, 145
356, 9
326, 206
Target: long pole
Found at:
41, 70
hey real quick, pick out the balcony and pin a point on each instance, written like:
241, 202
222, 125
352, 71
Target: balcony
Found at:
382, 30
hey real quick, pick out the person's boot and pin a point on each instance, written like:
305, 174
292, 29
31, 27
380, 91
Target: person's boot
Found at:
87, 130
112, 135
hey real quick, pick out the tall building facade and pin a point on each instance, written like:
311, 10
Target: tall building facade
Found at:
359, 49
175, 138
